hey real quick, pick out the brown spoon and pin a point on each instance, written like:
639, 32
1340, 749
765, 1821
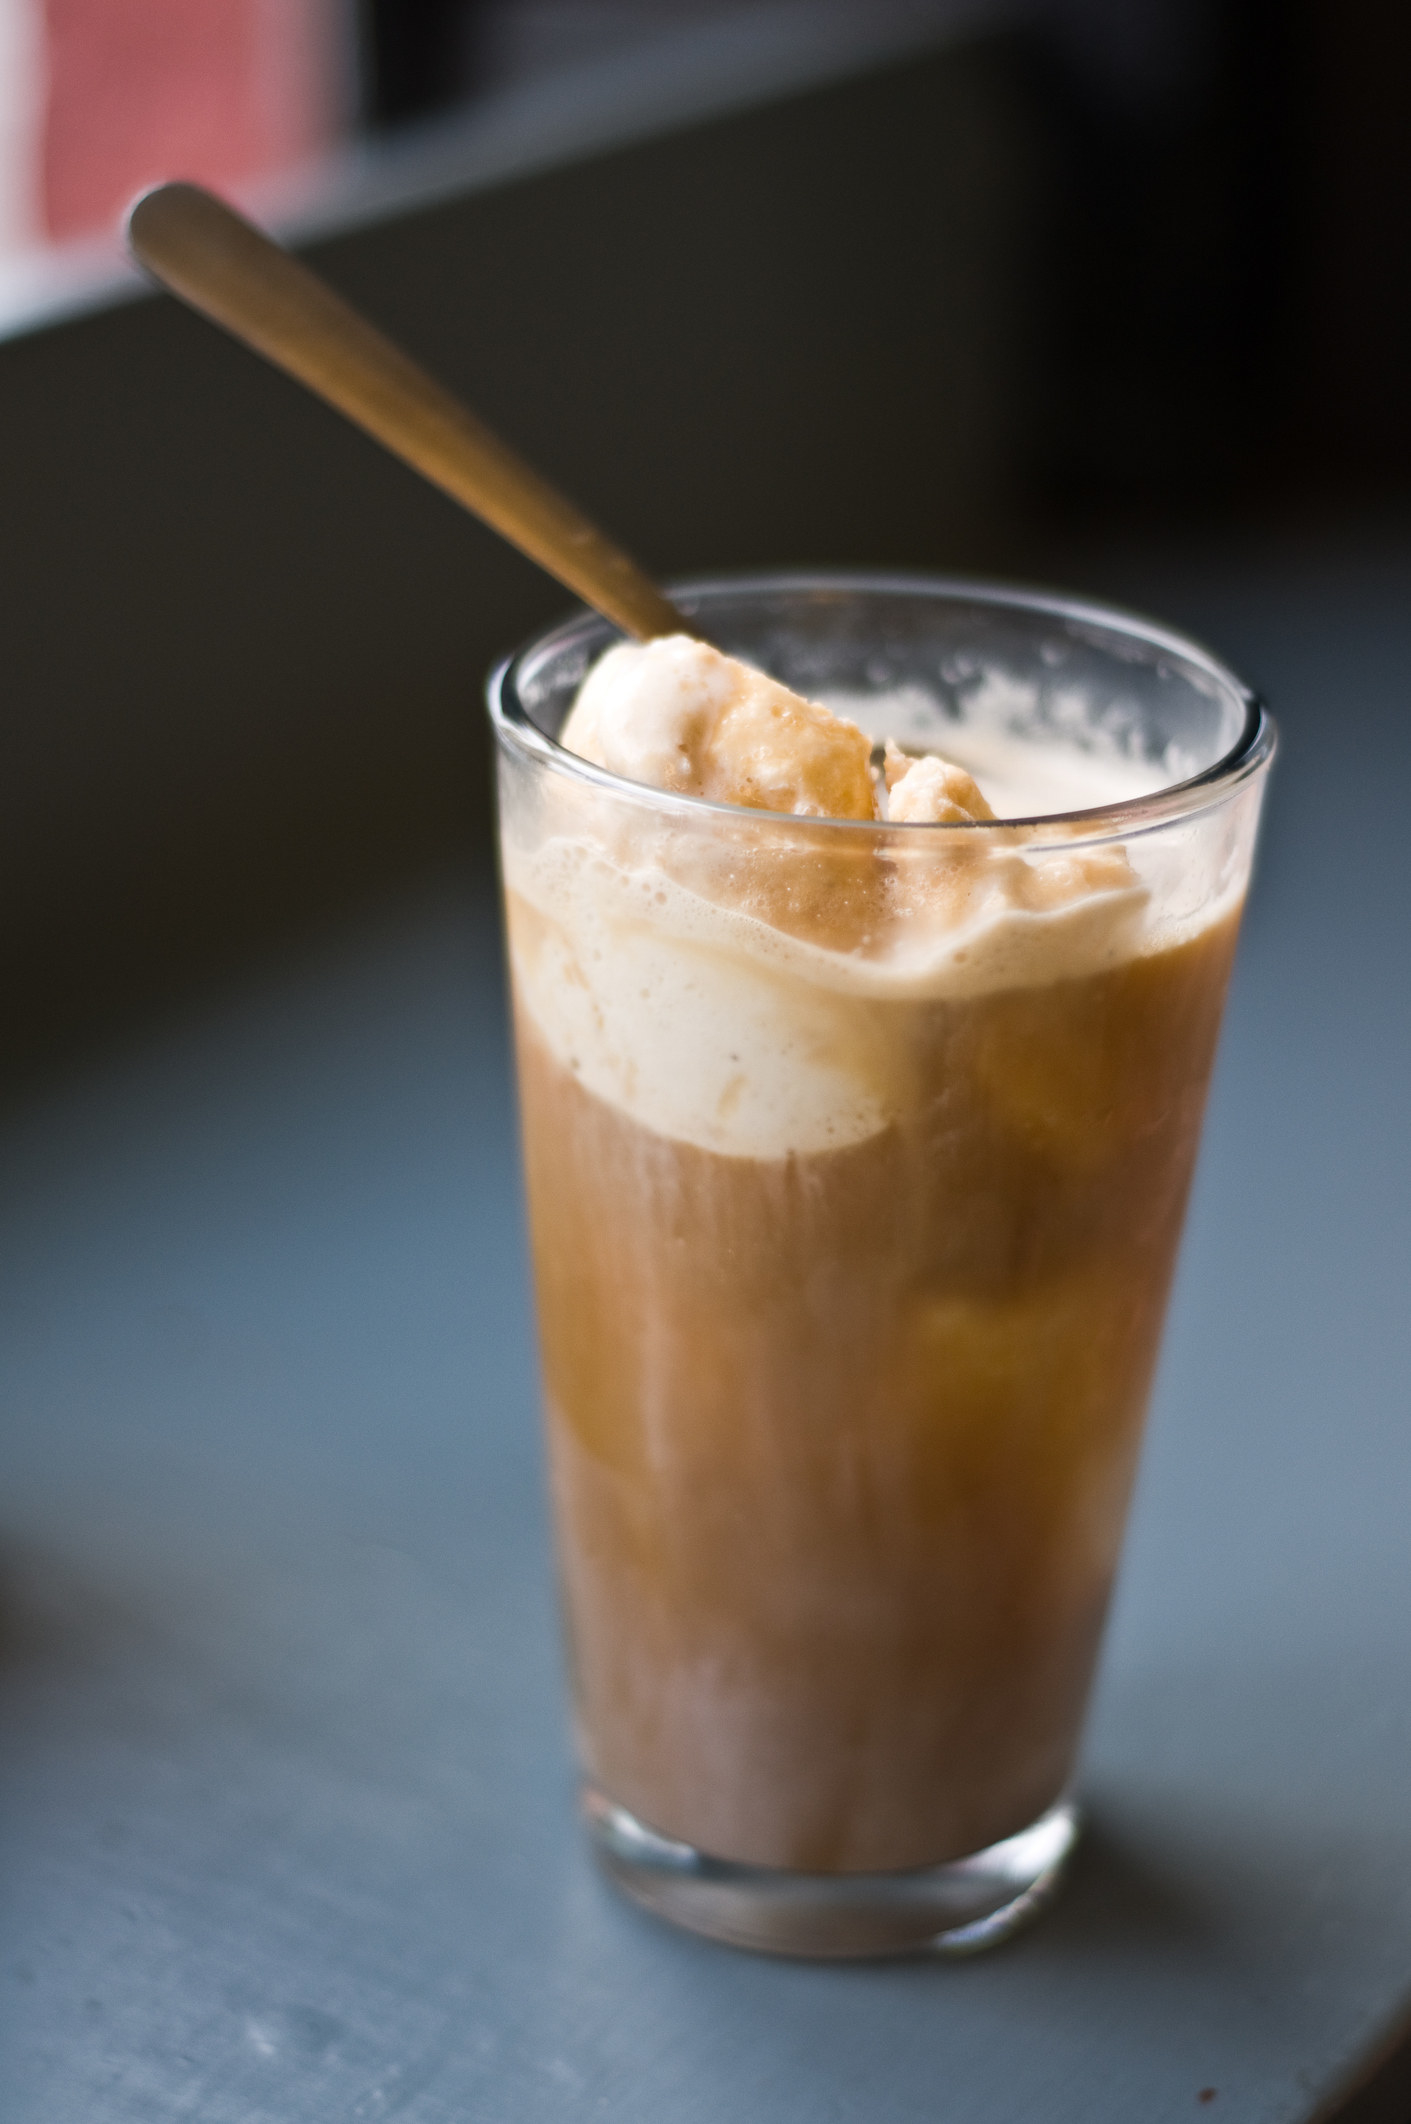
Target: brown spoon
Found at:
230, 271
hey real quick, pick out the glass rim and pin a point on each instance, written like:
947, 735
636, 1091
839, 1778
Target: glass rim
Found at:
1252, 750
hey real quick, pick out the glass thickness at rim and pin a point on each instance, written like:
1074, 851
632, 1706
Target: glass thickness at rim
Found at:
1252, 750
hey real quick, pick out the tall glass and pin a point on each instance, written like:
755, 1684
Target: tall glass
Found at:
857, 1156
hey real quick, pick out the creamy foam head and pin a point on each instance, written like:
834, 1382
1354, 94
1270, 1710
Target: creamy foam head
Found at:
710, 1026
686, 977
1031, 758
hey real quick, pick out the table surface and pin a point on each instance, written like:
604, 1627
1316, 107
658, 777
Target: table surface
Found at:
285, 1792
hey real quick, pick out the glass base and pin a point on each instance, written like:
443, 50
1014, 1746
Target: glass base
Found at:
959, 1908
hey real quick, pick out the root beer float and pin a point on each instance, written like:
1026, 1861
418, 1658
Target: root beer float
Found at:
858, 1125
859, 1109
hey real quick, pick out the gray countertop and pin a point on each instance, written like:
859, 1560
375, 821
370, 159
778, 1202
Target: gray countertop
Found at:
285, 1790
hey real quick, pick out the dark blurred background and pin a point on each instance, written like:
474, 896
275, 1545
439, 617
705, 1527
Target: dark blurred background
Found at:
1028, 288
1220, 313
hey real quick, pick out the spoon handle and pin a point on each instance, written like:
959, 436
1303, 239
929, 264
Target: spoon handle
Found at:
229, 270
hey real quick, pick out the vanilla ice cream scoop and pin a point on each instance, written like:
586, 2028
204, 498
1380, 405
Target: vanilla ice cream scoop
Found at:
681, 716
931, 791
